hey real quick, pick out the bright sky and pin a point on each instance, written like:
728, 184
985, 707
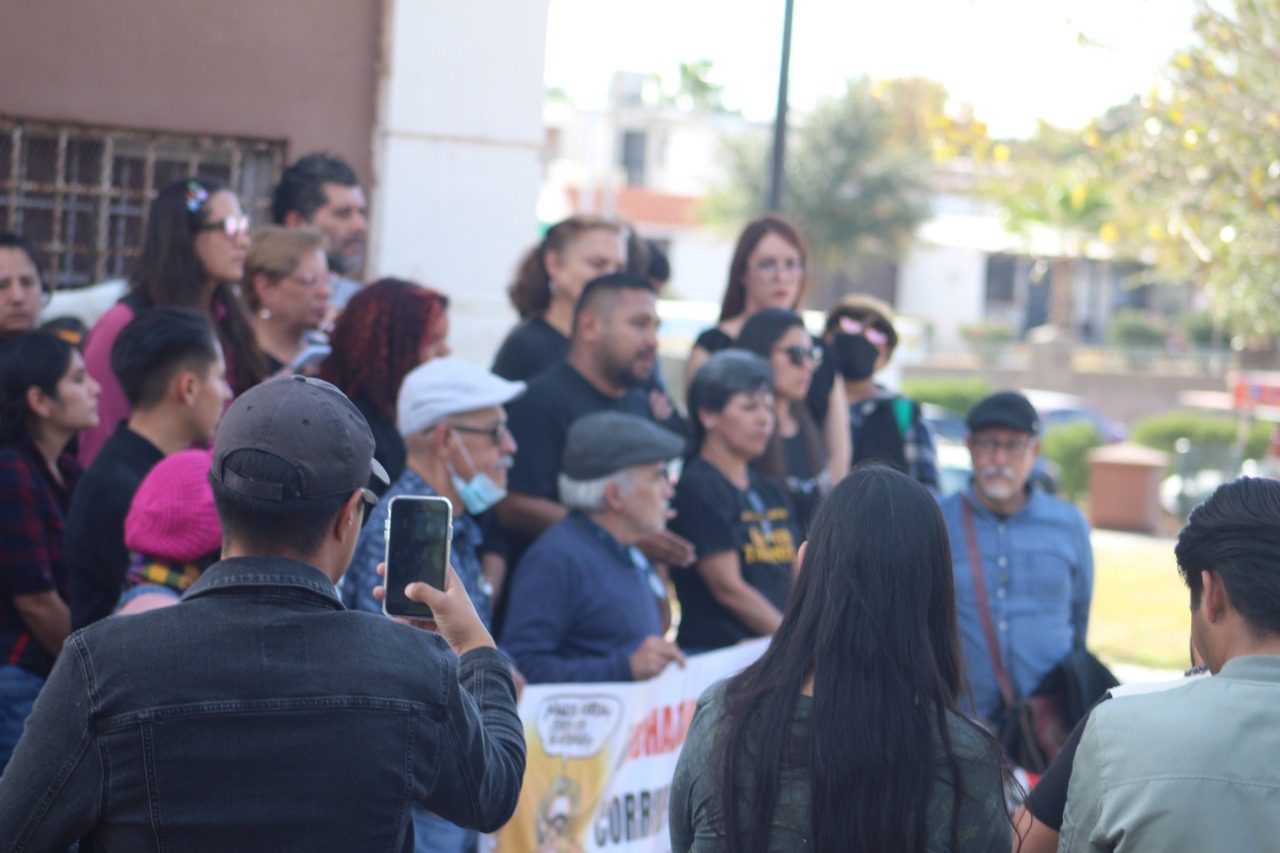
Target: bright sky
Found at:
1015, 60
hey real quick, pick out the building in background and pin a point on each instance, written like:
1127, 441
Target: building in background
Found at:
436, 104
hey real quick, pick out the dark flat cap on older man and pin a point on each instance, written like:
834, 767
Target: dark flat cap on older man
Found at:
604, 443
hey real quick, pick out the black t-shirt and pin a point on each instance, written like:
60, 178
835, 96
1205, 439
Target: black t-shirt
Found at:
388, 446
803, 480
530, 348
717, 516
94, 550
540, 418
713, 340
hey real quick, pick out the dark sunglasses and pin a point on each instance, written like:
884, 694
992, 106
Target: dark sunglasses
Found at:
800, 354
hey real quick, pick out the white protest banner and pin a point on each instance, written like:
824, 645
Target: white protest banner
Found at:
601, 758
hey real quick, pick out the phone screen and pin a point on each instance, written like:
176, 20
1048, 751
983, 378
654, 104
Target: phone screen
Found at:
418, 534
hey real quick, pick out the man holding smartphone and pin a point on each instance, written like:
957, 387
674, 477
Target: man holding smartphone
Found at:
259, 714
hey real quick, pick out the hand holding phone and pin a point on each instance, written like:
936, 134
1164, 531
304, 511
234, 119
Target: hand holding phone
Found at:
455, 618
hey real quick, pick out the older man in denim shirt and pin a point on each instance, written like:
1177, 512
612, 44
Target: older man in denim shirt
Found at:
1035, 555
458, 446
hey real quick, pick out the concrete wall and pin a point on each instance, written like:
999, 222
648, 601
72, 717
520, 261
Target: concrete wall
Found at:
457, 154
300, 70
943, 285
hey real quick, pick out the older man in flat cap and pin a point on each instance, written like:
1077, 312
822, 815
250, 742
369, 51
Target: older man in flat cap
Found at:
586, 604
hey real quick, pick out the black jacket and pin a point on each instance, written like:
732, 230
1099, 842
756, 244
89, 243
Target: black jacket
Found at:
258, 714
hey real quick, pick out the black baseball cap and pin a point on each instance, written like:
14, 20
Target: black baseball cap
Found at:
1008, 409
308, 424
604, 443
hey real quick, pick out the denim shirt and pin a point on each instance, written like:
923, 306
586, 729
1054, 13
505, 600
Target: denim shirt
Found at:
1038, 568
259, 714
356, 586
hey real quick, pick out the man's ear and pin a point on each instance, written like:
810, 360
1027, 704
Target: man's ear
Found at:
1214, 599
184, 386
347, 524
613, 496
293, 219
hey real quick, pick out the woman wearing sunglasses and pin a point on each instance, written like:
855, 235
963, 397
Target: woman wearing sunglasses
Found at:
846, 734
768, 271
192, 256
795, 454
884, 426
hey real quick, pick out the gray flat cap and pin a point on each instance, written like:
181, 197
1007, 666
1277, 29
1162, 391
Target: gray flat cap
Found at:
604, 443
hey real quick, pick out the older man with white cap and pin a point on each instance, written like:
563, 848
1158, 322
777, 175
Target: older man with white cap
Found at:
457, 446
588, 600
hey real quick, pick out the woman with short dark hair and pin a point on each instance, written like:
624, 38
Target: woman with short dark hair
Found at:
46, 398
845, 734
739, 521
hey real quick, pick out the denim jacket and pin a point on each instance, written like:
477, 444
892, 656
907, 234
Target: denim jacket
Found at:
258, 714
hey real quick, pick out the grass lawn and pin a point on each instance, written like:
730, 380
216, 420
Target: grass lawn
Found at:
1140, 607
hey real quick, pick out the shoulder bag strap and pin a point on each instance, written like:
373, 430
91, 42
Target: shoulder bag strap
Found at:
984, 607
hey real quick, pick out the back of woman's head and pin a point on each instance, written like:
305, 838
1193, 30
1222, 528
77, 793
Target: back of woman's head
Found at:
169, 271
725, 373
31, 360
379, 338
735, 290
872, 620
531, 291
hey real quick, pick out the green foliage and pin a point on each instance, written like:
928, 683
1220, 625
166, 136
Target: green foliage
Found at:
988, 332
1136, 329
1163, 431
1198, 164
852, 193
1201, 330
1068, 445
957, 395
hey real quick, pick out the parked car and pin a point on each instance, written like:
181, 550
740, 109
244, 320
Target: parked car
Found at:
1057, 409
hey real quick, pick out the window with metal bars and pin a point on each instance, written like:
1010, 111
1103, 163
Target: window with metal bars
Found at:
81, 193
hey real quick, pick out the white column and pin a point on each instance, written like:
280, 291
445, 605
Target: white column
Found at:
456, 155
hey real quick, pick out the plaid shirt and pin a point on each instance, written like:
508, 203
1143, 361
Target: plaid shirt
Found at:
33, 512
917, 441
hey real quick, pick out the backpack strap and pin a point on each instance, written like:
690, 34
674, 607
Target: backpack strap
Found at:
984, 606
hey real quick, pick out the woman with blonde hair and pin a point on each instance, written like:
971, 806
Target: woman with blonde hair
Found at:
287, 288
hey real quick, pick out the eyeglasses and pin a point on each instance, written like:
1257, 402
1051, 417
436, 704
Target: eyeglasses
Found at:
496, 433
232, 226
987, 445
769, 266
850, 326
800, 354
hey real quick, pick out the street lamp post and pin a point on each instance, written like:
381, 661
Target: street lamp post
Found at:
777, 179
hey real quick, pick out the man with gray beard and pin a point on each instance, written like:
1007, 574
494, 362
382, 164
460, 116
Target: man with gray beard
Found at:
1022, 561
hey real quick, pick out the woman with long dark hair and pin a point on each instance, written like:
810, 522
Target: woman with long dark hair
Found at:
46, 398
845, 734
739, 520
192, 256
769, 270
548, 282
387, 329
795, 454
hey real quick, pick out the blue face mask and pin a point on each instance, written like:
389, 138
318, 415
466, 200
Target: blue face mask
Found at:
480, 492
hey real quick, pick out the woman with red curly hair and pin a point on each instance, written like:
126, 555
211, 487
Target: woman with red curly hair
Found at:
387, 329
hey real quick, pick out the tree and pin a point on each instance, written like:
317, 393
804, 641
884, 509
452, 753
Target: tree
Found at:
1200, 165
855, 195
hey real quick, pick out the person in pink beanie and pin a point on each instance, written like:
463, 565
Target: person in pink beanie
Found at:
172, 532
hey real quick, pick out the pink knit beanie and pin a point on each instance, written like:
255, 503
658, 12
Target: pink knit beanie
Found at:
172, 518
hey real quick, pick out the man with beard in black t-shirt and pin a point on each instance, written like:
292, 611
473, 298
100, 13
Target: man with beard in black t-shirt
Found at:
612, 353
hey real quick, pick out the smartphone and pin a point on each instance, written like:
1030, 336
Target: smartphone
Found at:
419, 531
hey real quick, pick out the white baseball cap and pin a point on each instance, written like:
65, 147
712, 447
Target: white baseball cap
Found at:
448, 386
